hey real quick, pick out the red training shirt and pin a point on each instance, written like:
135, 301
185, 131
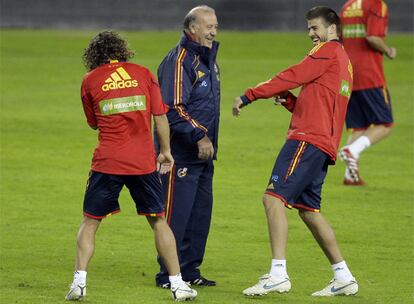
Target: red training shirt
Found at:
318, 113
118, 98
360, 19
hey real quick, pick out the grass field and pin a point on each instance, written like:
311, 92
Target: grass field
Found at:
46, 149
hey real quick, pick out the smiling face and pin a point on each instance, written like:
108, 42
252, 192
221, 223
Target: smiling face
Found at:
319, 31
204, 29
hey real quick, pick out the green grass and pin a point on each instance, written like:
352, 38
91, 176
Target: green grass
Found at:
46, 149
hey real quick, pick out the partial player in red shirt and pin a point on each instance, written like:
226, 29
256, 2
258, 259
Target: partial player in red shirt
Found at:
364, 27
119, 98
318, 115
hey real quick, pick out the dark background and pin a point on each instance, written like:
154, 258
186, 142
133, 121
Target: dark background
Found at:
166, 14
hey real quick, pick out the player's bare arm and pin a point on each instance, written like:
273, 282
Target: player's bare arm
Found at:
378, 43
165, 161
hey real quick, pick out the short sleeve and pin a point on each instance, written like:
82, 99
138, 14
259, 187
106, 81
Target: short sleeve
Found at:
87, 104
158, 107
377, 19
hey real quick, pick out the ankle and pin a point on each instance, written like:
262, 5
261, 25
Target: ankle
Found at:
278, 269
176, 280
79, 277
342, 272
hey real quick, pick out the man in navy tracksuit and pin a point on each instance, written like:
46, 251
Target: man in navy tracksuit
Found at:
190, 86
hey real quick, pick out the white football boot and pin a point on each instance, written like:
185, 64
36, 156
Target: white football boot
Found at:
336, 288
183, 292
267, 284
352, 177
76, 292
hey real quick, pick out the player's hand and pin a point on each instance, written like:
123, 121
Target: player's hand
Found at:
392, 53
165, 162
237, 105
205, 148
280, 98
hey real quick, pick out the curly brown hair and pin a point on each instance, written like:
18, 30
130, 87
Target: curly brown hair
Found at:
106, 46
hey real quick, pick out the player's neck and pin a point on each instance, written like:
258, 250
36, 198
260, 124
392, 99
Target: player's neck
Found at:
332, 37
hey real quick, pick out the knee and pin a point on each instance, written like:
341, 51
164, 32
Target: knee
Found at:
384, 130
266, 201
155, 221
305, 215
387, 130
90, 224
271, 202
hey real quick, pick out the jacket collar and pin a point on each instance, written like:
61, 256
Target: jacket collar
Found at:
208, 55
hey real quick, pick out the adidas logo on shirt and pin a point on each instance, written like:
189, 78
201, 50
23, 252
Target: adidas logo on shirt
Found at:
354, 10
119, 79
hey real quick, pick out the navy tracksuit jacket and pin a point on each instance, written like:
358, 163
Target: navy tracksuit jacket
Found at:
190, 85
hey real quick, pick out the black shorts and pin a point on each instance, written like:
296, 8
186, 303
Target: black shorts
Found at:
298, 175
102, 192
369, 107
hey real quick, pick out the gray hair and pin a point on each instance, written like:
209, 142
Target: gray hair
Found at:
191, 16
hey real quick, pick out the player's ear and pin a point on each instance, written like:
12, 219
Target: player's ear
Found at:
332, 29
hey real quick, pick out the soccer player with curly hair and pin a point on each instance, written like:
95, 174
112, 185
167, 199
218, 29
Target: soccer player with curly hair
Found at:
119, 99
